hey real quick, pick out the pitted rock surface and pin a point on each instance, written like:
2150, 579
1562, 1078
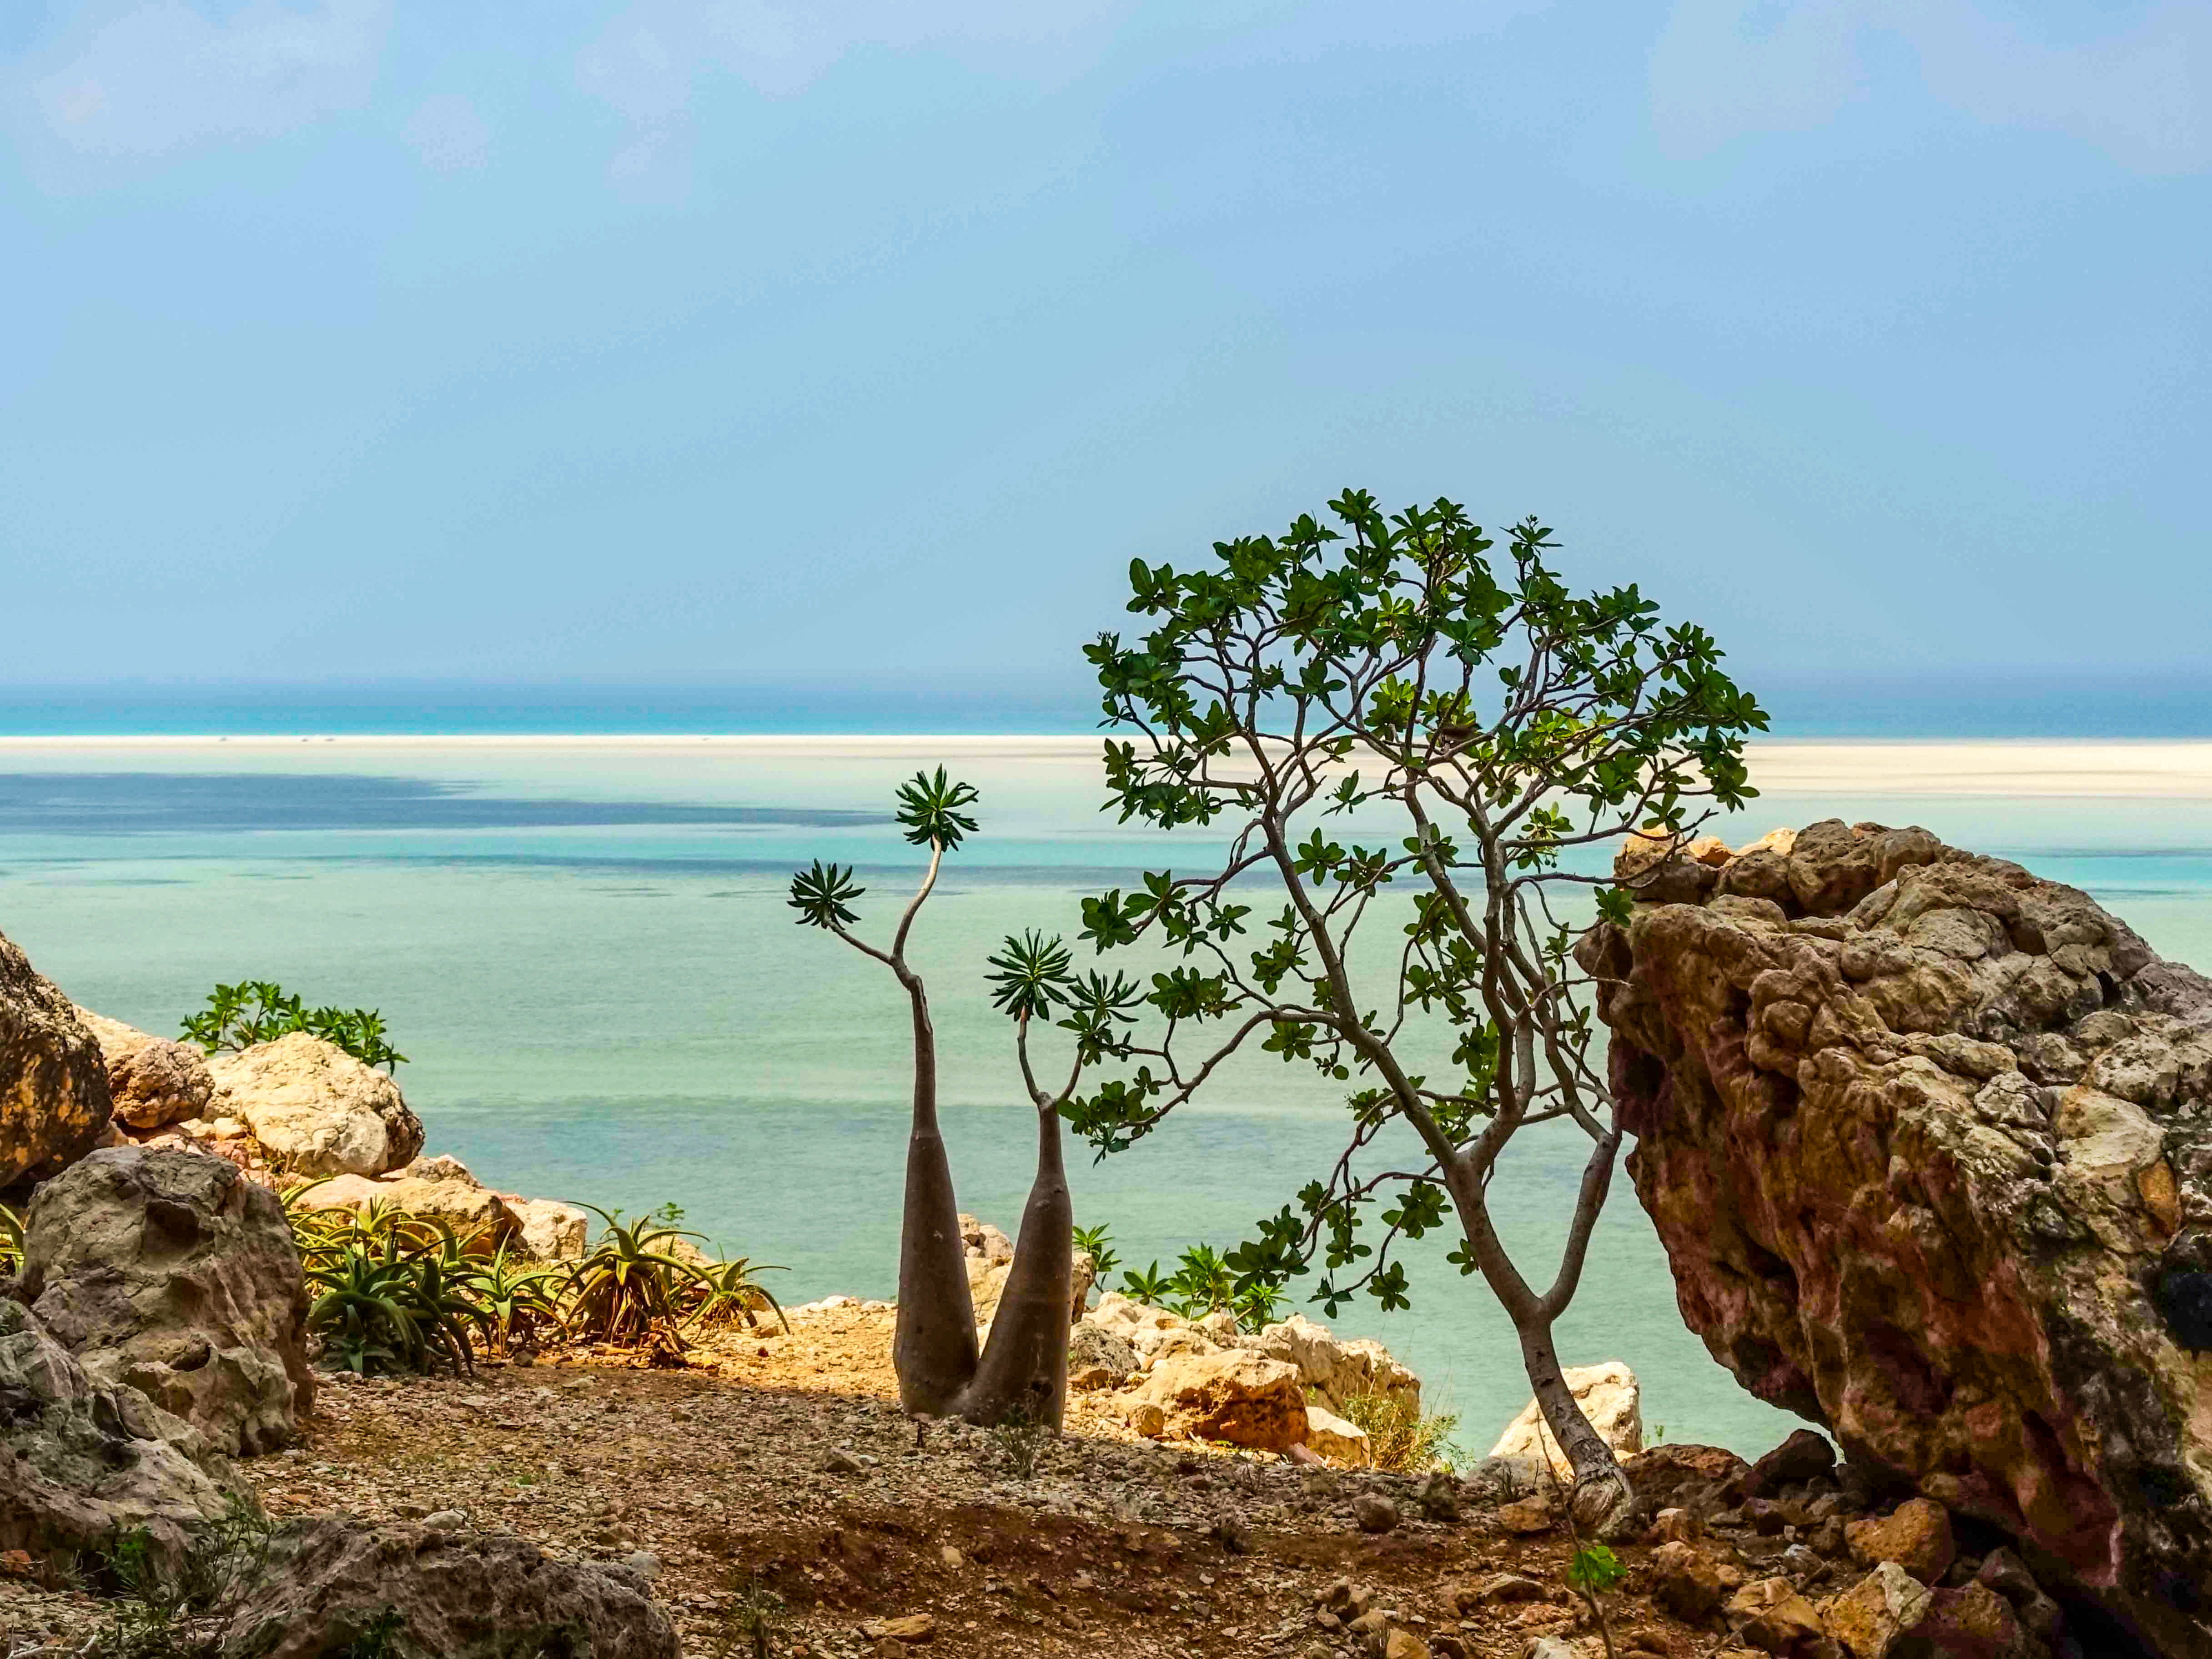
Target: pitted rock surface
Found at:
54, 1102
173, 1273
458, 1594
1926, 1140
315, 1109
153, 1080
82, 1462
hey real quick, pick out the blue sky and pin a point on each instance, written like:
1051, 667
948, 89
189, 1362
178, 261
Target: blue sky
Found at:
706, 339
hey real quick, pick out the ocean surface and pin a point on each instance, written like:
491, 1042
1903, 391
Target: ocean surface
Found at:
583, 947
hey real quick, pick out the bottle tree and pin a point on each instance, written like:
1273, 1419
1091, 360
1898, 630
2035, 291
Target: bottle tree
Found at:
1498, 730
1020, 1374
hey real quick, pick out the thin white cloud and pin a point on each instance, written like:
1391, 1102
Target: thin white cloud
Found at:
648, 63
448, 134
133, 80
2140, 90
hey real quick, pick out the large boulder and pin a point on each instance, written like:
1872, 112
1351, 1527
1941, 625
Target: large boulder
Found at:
315, 1109
1245, 1398
1609, 1397
434, 1190
1926, 1140
173, 1273
1337, 1370
82, 1462
456, 1595
551, 1230
153, 1080
54, 1103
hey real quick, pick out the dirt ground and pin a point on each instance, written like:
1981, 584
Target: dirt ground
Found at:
783, 1464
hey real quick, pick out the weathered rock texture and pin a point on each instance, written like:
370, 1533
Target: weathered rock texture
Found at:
80, 1461
152, 1080
438, 1190
316, 1108
1926, 1140
54, 1085
458, 1596
171, 1273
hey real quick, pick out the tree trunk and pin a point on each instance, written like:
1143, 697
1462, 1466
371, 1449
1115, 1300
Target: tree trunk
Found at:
933, 1345
1023, 1374
1601, 1491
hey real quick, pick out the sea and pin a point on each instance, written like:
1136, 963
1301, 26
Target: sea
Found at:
569, 905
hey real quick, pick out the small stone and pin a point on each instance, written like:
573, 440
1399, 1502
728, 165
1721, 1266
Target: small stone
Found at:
1775, 1616
1870, 1617
1527, 1515
951, 1558
1147, 1419
644, 1563
1374, 1513
1676, 1527
840, 1461
910, 1627
445, 1520
1917, 1535
1404, 1644
1689, 1583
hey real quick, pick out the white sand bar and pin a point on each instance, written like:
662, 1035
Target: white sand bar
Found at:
2170, 769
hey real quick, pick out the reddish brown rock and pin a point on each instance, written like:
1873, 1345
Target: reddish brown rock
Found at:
1917, 1535
54, 1099
1928, 1143
1689, 1583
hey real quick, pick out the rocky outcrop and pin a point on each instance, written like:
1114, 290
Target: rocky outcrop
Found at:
1926, 1140
1338, 1368
989, 1255
1610, 1399
551, 1230
54, 1103
315, 1109
434, 1190
1244, 1399
152, 1080
171, 1273
460, 1595
81, 1462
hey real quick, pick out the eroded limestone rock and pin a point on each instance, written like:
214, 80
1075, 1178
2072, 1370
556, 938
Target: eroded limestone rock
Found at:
1926, 1140
171, 1273
316, 1108
153, 1081
454, 1594
54, 1100
81, 1462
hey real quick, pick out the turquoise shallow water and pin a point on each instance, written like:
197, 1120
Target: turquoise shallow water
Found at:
586, 952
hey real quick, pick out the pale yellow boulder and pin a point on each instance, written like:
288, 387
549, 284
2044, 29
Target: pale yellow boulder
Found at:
1609, 1397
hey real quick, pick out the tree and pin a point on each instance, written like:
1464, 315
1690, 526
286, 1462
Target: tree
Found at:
1021, 1372
1506, 728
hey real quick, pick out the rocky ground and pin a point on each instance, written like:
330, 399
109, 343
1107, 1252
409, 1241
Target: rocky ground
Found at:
783, 1463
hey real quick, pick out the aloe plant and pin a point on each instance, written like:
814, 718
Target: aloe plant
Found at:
734, 1295
629, 1289
519, 1298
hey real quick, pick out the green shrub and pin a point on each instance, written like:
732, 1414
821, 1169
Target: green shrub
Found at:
177, 1610
259, 1010
1400, 1437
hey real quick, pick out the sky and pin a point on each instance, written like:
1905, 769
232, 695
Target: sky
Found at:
708, 340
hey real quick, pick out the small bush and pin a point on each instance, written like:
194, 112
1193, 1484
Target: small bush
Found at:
259, 1010
403, 1303
1400, 1437
162, 1611
1022, 1440
733, 1294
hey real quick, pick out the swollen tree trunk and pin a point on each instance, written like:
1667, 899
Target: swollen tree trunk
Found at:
934, 1347
1023, 1377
